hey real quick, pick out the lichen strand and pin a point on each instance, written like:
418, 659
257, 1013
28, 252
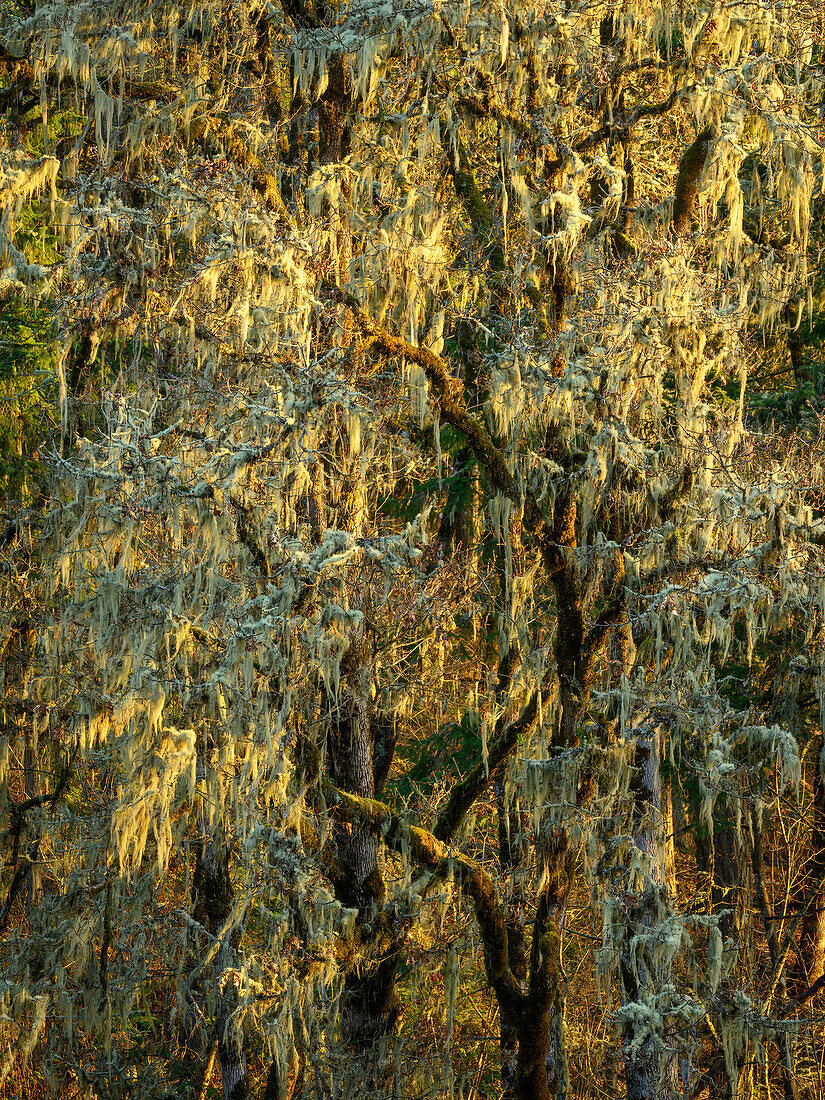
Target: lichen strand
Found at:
313, 272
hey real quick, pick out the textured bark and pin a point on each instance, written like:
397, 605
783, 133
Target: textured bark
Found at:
213, 894
234, 1075
317, 504
542, 1042
350, 757
19, 728
31, 780
213, 898
642, 1055
729, 872
511, 847
333, 114
669, 838
575, 650
370, 1006
688, 179
789, 1086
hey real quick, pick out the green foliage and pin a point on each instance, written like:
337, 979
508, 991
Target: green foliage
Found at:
446, 754
27, 392
791, 407
672, 44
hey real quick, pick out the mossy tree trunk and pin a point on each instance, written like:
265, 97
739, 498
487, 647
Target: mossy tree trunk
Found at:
649, 1071
213, 896
688, 180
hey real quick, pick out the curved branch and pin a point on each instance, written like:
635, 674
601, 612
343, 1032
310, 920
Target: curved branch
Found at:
428, 851
448, 393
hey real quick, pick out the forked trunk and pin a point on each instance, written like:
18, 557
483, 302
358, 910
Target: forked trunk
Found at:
370, 1004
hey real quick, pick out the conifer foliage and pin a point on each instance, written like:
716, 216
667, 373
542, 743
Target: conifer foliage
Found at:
413, 591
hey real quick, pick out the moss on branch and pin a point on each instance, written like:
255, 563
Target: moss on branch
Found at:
449, 395
468, 191
687, 180
429, 852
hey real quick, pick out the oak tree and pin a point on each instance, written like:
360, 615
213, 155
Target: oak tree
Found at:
407, 503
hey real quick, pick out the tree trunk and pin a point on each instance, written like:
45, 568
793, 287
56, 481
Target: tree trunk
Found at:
370, 1005
729, 879
333, 114
688, 179
542, 1069
214, 891
641, 1049
668, 838
789, 1086
511, 831
213, 904
31, 759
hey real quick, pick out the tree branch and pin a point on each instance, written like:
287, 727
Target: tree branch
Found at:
688, 179
467, 189
20, 875
448, 392
464, 793
429, 852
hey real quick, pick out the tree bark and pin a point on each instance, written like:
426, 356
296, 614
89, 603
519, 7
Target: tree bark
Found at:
370, 1006
31, 764
641, 1049
730, 874
789, 1086
333, 114
511, 853
543, 1058
213, 897
214, 891
688, 179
